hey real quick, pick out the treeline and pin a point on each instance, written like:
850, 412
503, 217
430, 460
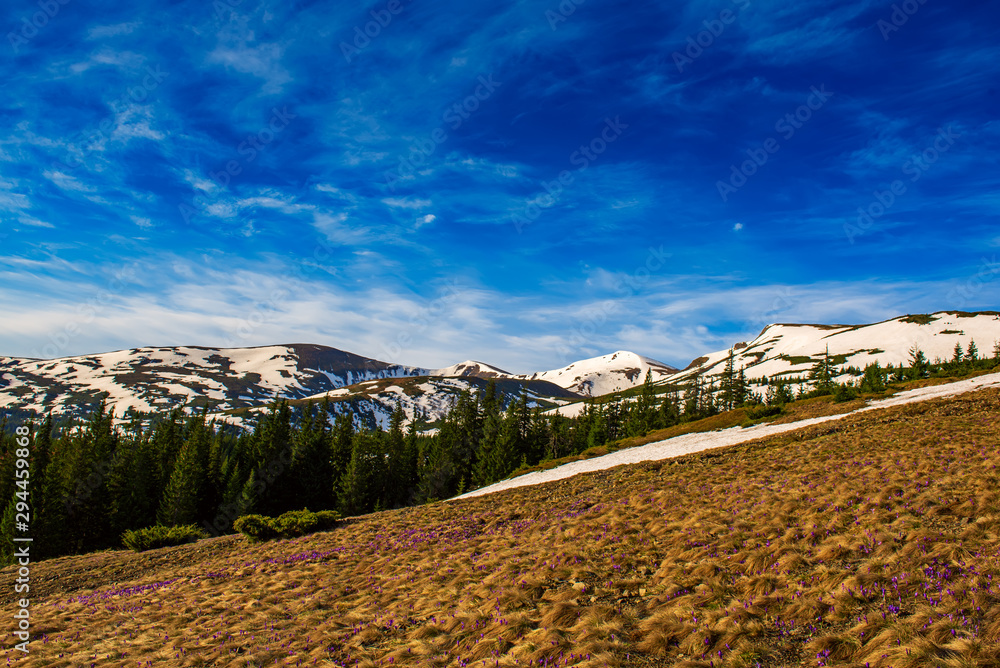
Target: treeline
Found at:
89, 483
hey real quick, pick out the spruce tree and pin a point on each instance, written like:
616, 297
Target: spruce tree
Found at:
740, 391
972, 353
183, 497
918, 363
398, 475
311, 468
957, 357
823, 373
728, 384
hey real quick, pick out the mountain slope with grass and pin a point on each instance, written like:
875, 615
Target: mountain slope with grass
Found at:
872, 540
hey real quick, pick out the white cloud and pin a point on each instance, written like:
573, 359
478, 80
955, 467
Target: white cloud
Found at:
67, 182
737, 227
262, 61
103, 32
406, 203
34, 222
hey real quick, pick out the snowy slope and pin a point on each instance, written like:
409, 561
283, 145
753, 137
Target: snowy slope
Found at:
148, 379
470, 368
790, 351
689, 443
156, 379
427, 398
608, 373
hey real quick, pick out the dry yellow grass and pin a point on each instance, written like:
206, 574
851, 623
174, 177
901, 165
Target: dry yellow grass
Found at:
874, 540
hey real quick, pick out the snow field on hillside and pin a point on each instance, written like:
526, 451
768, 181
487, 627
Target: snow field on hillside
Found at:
690, 443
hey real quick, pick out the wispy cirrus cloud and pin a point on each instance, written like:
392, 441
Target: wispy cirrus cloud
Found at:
97, 167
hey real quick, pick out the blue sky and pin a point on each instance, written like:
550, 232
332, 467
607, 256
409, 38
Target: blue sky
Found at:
523, 183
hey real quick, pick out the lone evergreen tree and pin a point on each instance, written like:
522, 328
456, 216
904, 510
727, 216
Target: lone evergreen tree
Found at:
822, 372
972, 353
918, 362
728, 383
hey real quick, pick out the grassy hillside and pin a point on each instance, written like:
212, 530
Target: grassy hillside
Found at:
873, 540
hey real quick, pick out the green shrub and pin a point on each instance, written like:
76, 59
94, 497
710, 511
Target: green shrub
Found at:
758, 412
845, 393
289, 525
153, 537
256, 527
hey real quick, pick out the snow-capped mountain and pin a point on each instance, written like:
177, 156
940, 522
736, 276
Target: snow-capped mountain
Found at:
154, 379
430, 398
238, 382
241, 380
608, 373
790, 351
470, 368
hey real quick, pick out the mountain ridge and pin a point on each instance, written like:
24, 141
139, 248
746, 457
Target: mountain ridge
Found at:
243, 380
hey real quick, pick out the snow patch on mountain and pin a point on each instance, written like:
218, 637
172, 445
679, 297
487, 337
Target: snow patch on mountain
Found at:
790, 351
608, 373
698, 442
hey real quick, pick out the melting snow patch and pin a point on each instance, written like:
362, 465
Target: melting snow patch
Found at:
690, 443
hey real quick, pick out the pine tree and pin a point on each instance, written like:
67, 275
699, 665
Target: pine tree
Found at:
972, 353
342, 446
91, 454
132, 499
669, 411
398, 476
873, 379
598, 433
783, 394
740, 391
918, 362
41, 458
362, 485
692, 400
822, 373
7, 533
728, 384
183, 497
500, 457
311, 468
642, 412
958, 355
